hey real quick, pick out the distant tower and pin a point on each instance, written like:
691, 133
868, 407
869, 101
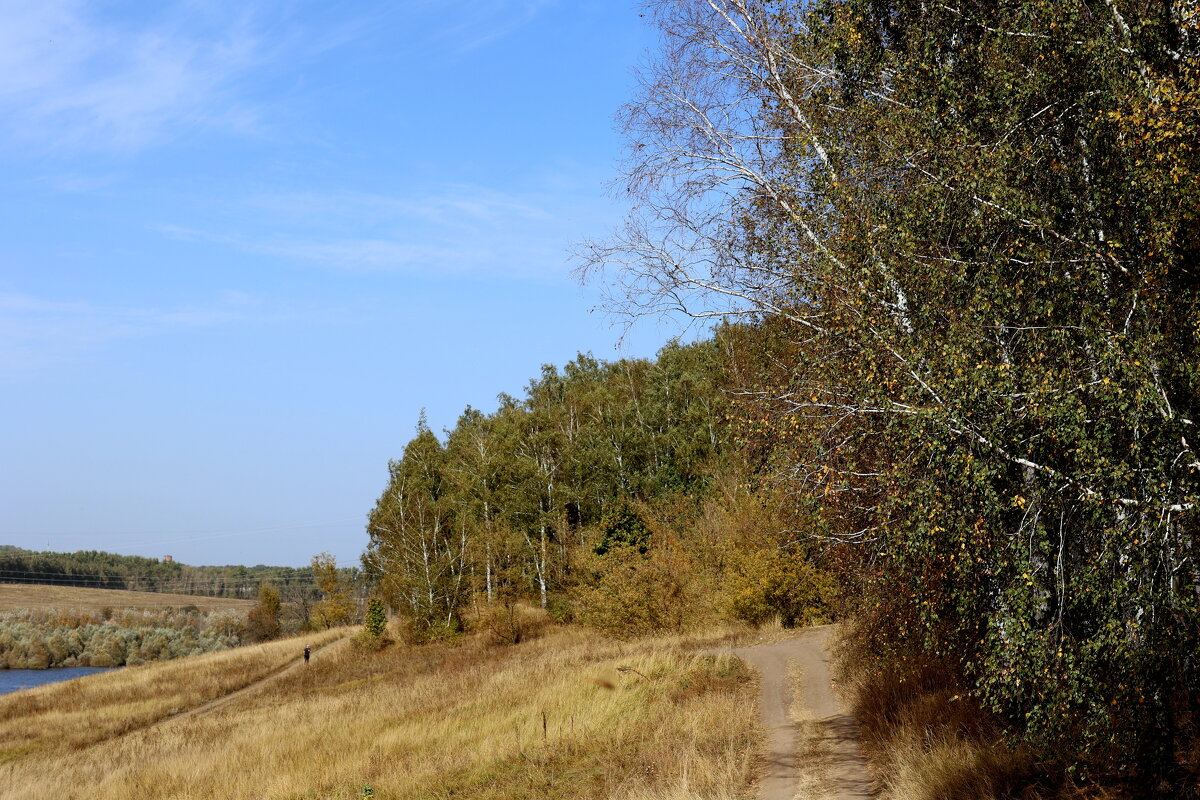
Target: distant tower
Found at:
167, 559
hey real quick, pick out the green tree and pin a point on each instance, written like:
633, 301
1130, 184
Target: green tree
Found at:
418, 549
622, 526
375, 625
976, 223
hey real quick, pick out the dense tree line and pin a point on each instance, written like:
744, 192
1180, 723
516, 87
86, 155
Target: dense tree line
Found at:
583, 496
505, 498
101, 570
966, 235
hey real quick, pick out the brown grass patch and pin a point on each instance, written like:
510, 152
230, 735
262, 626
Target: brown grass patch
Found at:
437, 721
73, 715
16, 596
925, 738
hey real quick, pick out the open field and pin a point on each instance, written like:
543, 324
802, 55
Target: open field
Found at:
568, 715
16, 596
64, 718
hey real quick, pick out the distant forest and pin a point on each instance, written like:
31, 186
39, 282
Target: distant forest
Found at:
101, 570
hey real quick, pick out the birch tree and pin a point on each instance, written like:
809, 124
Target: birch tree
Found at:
417, 549
977, 223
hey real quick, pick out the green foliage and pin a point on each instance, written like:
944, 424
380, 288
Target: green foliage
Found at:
418, 543
502, 507
376, 621
622, 526
588, 496
43, 639
973, 228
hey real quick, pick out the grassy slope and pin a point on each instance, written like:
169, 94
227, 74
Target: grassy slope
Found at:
63, 719
433, 722
17, 596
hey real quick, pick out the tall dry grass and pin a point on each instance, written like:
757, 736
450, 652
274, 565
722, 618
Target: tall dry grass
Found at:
568, 715
924, 737
65, 718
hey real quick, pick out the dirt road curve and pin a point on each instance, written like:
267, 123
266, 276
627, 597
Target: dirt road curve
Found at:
274, 676
834, 732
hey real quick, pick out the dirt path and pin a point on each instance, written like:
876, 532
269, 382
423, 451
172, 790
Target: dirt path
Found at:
832, 735
213, 705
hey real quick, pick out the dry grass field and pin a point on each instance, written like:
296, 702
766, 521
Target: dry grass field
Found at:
16, 596
567, 715
925, 741
65, 718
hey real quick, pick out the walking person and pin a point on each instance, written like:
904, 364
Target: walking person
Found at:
307, 652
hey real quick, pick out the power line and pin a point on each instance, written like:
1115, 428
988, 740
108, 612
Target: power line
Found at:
197, 534
173, 578
149, 585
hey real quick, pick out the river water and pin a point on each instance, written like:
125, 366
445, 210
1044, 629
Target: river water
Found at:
13, 679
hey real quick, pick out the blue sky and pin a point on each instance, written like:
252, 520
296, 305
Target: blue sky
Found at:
243, 245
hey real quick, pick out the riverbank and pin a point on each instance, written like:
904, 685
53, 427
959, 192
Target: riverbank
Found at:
568, 715
14, 680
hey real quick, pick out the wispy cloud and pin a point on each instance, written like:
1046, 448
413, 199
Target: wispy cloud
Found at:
71, 76
75, 183
458, 230
37, 332
68, 78
480, 22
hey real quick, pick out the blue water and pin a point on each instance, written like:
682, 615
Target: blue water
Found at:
13, 679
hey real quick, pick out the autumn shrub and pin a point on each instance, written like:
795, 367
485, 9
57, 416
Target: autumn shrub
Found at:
510, 622
773, 582
54, 638
634, 593
263, 620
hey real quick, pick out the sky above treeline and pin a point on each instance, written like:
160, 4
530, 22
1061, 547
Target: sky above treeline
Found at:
244, 244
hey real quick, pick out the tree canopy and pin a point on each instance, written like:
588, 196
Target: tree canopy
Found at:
967, 235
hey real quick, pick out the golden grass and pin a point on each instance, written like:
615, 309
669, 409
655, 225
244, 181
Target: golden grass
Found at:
17, 596
924, 738
64, 718
568, 715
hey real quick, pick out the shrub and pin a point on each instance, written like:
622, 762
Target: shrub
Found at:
777, 583
39, 639
373, 636
263, 620
636, 594
513, 622
376, 622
